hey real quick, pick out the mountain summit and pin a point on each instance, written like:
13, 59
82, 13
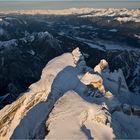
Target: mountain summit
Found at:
73, 101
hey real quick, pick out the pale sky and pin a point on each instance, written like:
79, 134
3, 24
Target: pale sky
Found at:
70, 0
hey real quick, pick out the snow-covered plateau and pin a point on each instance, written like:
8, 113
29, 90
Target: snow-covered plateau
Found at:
73, 101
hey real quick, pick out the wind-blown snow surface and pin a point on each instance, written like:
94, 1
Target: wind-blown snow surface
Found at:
61, 106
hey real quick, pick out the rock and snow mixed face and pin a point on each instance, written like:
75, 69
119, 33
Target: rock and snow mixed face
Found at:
101, 66
14, 53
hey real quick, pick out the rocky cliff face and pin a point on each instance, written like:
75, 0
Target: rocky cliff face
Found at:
74, 101
22, 61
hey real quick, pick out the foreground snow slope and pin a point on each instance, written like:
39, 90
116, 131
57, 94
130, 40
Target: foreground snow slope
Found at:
65, 121
62, 104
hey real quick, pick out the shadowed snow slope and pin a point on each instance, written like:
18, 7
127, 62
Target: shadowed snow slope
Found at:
61, 105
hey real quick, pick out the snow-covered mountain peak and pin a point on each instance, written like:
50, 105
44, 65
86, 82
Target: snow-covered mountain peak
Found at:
62, 101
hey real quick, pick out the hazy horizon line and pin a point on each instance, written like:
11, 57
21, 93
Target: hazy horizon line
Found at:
68, 0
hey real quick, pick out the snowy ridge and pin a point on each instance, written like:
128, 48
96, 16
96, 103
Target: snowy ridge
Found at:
62, 104
121, 15
12, 114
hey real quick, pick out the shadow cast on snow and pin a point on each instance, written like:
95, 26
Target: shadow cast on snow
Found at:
33, 124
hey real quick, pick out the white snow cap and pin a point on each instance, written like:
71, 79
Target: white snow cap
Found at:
76, 54
88, 78
104, 63
101, 66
